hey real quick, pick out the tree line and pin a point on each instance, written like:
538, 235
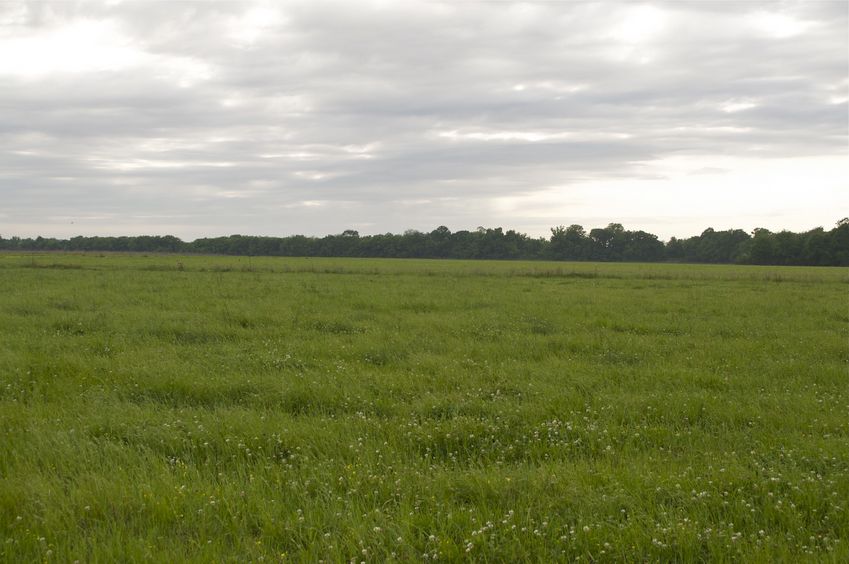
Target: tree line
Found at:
816, 247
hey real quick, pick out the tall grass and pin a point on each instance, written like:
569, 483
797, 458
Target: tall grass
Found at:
165, 408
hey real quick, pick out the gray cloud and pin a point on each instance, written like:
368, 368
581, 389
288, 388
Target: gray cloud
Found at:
312, 117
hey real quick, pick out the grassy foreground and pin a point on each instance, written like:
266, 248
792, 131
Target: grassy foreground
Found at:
170, 408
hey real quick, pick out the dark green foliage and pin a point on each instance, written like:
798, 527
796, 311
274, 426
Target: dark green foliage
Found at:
609, 244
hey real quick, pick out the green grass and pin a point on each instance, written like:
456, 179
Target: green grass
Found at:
166, 408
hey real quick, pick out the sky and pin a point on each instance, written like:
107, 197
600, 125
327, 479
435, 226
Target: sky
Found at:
277, 118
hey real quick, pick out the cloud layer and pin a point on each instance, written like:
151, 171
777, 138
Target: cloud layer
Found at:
312, 117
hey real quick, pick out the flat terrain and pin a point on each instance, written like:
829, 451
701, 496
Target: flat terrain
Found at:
165, 408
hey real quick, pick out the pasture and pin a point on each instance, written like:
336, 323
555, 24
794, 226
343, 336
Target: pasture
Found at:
187, 408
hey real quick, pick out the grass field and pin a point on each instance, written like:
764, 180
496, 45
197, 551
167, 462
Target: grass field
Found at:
165, 408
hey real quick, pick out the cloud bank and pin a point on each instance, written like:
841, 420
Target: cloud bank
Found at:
203, 119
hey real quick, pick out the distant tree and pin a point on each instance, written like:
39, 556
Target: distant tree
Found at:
762, 249
607, 242
840, 243
601, 239
611, 243
569, 243
640, 246
441, 233
674, 249
817, 248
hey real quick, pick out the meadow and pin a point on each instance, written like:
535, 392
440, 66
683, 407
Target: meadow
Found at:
189, 408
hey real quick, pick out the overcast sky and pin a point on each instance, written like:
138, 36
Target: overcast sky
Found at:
277, 118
